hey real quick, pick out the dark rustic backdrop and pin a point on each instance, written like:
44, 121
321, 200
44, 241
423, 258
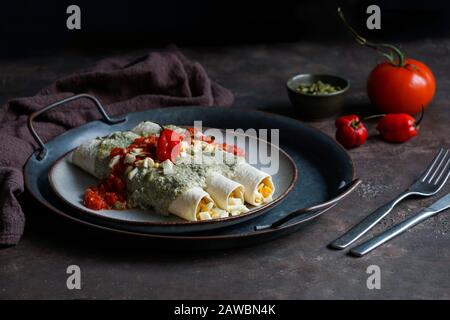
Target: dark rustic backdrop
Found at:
27, 26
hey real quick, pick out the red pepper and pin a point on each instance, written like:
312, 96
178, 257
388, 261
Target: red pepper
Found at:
398, 127
192, 131
169, 144
350, 132
208, 139
194, 135
144, 142
231, 148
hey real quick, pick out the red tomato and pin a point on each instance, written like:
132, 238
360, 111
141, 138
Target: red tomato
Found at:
111, 198
144, 142
117, 152
93, 200
169, 144
233, 149
119, 184
192, 131
395, 89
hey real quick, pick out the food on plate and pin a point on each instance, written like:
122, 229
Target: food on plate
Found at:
194, 204
95, 156
172, 170
257, 184
147, 128
228, 194
318, 88
399, 85
350, 131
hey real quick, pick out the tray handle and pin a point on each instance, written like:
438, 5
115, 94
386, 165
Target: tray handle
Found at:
43, 149
312, 212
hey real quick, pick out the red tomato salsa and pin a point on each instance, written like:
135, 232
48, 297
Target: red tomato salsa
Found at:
110, 193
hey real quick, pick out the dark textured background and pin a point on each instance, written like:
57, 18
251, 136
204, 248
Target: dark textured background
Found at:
28, 26
415, 265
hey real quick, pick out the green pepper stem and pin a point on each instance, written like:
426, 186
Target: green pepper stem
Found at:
379, 47
368, 118
373, 117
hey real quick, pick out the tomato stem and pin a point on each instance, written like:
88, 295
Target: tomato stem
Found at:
381, 48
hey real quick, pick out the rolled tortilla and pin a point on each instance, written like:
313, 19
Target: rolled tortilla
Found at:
147, 128
194, 204
93, 156
257, 184
228, 194
84, 156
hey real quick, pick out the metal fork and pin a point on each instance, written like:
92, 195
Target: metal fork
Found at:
428, 184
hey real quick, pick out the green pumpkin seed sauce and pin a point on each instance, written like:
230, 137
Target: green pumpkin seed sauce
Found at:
114, 140
152, 188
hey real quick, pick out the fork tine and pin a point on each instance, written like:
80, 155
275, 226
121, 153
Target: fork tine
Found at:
430, 167
444, 172
443, 159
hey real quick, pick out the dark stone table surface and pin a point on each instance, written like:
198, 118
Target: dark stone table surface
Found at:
299, 266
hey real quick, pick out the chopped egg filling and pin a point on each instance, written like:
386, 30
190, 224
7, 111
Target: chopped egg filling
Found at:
265, 190
204, 216
209, 147
236, 204
167, 166
132, 173
129, 158
217, 213
206, 209
115, 160
136, 151
184, 146
146, 163
197, 147
128, 169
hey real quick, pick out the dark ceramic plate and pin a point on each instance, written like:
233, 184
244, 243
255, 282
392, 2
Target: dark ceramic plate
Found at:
326, 173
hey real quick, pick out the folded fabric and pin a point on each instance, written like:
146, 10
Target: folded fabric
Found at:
159, 79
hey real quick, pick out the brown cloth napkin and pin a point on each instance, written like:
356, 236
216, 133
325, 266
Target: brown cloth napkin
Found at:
158, 79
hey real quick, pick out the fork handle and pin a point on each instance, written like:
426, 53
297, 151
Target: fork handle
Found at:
366, 224
387, 235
